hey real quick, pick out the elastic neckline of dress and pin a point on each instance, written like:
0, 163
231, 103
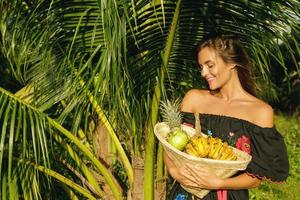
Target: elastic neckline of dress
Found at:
233, 118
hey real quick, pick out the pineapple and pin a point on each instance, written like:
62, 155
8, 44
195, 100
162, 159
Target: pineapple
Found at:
171, 113
172, 117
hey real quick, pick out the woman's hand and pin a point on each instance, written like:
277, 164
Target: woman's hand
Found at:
202, 177
197, 176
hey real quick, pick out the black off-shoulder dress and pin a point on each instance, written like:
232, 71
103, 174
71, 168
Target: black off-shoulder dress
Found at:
266, 146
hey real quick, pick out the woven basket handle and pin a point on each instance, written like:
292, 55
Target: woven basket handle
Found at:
197, 123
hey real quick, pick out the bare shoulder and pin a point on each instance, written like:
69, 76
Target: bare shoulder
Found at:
196, 93
263, 114
193, 98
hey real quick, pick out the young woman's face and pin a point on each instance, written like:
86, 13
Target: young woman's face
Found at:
213, 69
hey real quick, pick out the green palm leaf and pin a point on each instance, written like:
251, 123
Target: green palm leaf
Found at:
38, 123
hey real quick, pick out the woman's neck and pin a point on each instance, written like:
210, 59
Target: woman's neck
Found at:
232, 90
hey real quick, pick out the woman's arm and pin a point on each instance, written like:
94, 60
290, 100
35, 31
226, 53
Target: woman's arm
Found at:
203, 177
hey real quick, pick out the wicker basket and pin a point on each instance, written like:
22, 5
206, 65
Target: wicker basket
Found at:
222, 168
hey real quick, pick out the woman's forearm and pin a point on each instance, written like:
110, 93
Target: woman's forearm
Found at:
243, 181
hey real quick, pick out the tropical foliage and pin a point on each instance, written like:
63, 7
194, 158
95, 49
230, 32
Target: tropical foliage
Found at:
75, 70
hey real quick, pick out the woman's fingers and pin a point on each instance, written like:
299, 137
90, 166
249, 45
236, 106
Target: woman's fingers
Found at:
186, 177
197, 176
202, 176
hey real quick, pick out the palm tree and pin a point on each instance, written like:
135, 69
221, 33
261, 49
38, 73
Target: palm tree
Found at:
74, 65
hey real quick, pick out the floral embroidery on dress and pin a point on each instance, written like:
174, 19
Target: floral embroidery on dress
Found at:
231, 138
180, 197
243, 143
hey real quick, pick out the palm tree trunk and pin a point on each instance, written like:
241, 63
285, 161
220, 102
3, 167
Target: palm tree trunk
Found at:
136, 190
150, 145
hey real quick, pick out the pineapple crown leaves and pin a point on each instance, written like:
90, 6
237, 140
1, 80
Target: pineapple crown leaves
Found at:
170, 111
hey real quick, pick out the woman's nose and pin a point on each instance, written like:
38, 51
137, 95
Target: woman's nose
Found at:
204, 71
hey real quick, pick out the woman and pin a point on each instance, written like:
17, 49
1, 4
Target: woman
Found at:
231, 111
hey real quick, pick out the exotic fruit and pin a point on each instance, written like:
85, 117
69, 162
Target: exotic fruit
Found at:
209, 147
171, 115
178, 138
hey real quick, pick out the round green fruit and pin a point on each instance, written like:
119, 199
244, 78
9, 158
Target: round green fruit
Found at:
178, 139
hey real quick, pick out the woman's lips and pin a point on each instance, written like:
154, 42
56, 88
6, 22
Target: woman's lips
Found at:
210, 79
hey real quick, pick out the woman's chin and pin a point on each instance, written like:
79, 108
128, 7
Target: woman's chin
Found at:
212, 87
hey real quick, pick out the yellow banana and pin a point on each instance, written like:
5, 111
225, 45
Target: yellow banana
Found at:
191, 150
215, 154
222, 151
197, 144
232, 156
227, 154
200, 149
212, 147
205, 146
210, 144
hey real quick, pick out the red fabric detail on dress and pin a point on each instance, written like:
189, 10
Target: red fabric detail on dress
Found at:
188, 124
222, 194
264, 178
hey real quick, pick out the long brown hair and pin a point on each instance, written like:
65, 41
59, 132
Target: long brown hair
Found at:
229, 48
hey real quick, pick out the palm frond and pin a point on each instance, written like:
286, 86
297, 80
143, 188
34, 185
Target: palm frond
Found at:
22, 136
36, 148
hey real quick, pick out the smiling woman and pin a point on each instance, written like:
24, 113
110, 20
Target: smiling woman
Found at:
216, 55
230, 111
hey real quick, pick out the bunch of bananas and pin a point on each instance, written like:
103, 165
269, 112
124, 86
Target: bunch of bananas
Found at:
209, 147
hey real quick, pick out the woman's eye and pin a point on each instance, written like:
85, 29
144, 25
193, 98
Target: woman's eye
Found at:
210, 66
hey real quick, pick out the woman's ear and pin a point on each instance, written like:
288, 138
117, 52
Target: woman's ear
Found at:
232, 66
